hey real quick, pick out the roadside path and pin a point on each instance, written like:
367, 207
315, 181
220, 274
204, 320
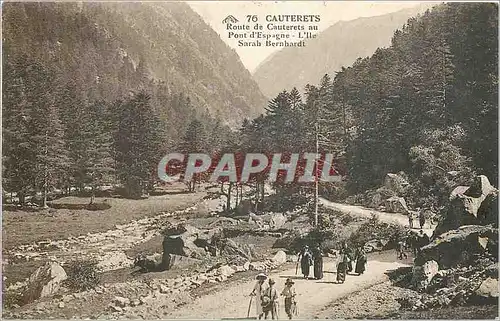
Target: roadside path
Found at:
391, 218
313, 295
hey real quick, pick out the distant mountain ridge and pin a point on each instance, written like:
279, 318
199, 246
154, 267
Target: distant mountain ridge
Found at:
339, 45
104, 44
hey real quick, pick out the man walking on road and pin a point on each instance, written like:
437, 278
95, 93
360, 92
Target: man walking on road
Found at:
401, 249
421, 219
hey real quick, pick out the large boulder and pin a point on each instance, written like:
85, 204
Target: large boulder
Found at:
179, 261
244, 207
290, 241
277, 220
184, 242
375, 198
396, 183
488, 288
45, 281
461, 246
231, 248
473, 205
279, 257
149, 262
396, 205
226, 271
423, 274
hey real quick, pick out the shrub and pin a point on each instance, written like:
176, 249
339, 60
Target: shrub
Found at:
374, 229
89, 207
82, 275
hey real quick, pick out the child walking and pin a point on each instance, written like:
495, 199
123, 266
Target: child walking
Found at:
289, 294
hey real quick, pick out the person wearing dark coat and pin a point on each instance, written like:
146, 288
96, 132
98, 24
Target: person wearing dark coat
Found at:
306, 261
342, 268
318, 263
360, 261
421, 219
423, 240
347, 251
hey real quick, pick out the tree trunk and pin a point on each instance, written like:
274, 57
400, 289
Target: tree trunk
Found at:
22, 198
228, 204
237, 195
44, 194
92, 196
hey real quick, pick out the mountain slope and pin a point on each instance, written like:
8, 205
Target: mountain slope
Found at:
108, 49
339, 45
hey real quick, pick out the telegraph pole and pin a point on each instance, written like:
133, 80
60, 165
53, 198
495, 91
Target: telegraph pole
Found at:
316, 179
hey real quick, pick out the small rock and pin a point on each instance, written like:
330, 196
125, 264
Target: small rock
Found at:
121, 301
225, 271
143, 299
164, 289
488, 288
61, 305
67, 298
115, 308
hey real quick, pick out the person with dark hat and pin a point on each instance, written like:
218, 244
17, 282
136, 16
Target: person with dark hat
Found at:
289, 294
269, 300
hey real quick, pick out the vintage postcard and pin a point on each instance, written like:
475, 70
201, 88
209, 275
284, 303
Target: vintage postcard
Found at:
249, 160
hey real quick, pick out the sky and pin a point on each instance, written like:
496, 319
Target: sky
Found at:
213, 12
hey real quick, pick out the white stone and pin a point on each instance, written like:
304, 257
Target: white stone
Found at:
279, 258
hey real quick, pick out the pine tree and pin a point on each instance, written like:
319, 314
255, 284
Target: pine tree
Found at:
194, 141
18, 171
46, 132
138, 144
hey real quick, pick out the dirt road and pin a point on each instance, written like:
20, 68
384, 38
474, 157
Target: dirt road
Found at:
391, 218
312, 294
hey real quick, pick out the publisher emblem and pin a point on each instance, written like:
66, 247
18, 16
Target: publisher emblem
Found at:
230, 19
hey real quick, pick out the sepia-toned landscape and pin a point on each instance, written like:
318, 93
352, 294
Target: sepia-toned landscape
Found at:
95, 94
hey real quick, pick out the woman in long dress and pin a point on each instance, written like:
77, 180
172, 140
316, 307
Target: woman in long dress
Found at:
360, 261
342, 268
305, 258
318, 263
257, 291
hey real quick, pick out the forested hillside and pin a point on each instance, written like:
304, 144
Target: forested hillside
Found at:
94, 89
106, 49
337, 46
427, 106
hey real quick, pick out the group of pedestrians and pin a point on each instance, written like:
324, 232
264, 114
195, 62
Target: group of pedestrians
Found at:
422, 219
413, 242
308, 258
267, 298
314, 257
347, 257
